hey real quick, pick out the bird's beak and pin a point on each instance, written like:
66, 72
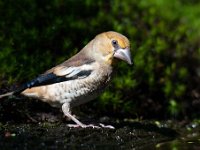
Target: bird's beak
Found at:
123, 54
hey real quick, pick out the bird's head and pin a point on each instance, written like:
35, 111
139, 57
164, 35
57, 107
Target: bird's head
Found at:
110, 45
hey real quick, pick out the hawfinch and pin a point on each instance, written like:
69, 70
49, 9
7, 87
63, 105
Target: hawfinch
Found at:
81, 78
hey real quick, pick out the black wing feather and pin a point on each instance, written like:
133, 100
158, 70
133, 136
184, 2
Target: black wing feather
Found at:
50, 78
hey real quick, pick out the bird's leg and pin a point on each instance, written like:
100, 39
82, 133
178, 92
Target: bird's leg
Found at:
66, 111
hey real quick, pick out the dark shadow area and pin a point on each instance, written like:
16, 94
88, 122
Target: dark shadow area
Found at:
149, 127
58, 135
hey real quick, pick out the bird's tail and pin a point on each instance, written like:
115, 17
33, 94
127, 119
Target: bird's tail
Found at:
16, 91
34, 82
7, 94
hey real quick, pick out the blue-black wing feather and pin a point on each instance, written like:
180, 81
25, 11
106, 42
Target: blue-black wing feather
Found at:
51, 78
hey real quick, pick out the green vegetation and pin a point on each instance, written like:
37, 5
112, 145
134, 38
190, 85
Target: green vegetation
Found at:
36, 35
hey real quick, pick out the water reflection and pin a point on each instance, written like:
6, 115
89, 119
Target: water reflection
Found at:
181, 144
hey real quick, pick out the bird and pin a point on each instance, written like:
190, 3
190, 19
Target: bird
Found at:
81, 78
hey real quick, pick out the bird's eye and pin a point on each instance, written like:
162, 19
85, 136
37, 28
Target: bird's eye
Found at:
115, 43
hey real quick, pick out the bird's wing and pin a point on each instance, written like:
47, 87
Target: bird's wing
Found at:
60, 73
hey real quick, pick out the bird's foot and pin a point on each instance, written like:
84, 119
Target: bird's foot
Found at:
83, 126
101, 125
106, 126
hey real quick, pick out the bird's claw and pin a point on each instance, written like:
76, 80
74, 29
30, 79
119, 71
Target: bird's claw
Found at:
106, 126
90, 126
83, 126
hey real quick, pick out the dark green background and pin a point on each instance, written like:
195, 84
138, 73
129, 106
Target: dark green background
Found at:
165, 38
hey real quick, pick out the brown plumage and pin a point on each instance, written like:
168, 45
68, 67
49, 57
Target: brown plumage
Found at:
82, 77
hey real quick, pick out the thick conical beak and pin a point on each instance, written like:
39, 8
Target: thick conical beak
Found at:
123, 54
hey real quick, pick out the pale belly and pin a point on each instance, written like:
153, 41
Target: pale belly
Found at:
77, 94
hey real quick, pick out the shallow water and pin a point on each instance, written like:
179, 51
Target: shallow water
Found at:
178, 144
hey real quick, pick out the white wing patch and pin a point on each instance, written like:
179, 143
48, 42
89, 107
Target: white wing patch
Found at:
74, 71
69, 72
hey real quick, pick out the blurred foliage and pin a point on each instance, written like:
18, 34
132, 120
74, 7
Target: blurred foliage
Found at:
164, 35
